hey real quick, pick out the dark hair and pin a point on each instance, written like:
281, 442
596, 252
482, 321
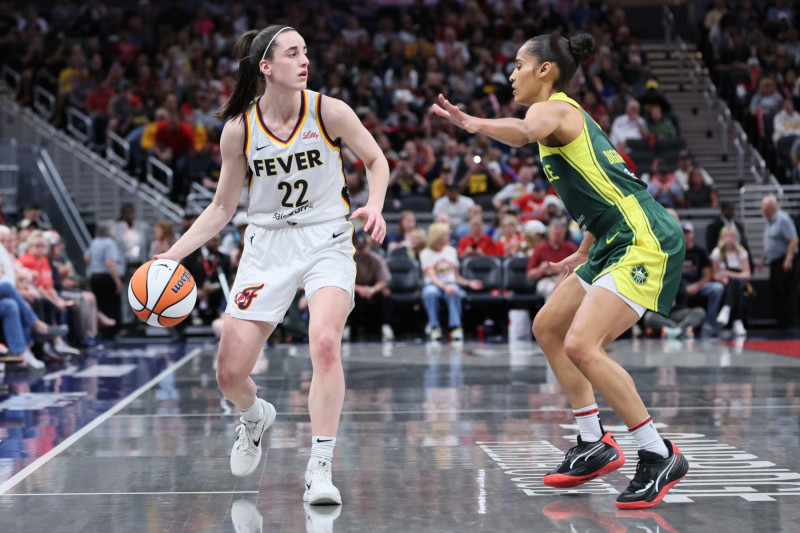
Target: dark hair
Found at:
567, 54
249, 49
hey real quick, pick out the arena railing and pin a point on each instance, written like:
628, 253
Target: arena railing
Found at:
118, 150
44, 103
159, 175
10, 78
99, 186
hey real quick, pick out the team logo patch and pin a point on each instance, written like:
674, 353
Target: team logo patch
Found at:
639, 275
244, 298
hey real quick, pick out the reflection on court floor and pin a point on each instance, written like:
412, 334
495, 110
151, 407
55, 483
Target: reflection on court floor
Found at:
432, 438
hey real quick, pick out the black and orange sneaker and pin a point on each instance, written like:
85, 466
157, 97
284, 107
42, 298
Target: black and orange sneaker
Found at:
585, 462
655, 475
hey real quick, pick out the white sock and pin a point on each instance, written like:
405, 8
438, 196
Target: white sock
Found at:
321, 452
647, 437
254, 413
589, 423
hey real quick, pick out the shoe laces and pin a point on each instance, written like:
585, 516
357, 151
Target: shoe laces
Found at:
243, 440
645, 472
319, 474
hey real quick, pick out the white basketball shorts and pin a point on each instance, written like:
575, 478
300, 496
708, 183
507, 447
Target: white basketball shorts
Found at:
275, 262
607, 282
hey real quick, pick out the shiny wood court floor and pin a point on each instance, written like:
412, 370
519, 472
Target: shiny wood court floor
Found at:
432, 438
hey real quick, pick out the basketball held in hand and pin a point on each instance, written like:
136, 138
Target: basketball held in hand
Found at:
162, 292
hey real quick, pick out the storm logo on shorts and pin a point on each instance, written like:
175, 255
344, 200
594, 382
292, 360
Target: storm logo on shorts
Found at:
639, 275
244, 298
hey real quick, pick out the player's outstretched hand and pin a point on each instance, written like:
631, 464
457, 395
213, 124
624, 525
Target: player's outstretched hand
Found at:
375, 224
454, 114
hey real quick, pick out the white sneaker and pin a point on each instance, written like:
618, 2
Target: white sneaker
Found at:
436, 334
246, 452
319, 518
457, 335
31, 360
63, 347
387, 333
738, 329
245, 517
319, 487
724, 315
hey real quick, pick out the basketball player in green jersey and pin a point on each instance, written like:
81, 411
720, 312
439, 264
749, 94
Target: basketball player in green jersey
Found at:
630, 260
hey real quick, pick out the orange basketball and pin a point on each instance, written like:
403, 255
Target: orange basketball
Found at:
162, 292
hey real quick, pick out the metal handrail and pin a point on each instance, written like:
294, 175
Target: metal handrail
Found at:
44, 103
113, 143
75, 117
155, 163
7, 74
737, 145
668, 22
71, 214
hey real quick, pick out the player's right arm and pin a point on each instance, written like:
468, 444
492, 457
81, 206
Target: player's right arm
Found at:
226, 200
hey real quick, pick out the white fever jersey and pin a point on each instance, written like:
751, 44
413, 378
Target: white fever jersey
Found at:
299, 180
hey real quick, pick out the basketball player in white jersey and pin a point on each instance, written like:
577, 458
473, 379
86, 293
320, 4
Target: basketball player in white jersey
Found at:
287, 140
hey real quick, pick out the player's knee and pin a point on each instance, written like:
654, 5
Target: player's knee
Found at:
544, 328
325, 349
577, 348
228, 375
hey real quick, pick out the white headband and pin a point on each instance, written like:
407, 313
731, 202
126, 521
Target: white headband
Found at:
273, 38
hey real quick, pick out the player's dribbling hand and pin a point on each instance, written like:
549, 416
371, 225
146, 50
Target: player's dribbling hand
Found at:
454, 114
374, 224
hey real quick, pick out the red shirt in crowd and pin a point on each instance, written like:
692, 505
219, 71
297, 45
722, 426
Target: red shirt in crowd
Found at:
530, 208
98, 99
483, 243
180, 140
545, 252
44, 278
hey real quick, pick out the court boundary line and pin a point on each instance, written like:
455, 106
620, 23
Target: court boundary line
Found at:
88, 428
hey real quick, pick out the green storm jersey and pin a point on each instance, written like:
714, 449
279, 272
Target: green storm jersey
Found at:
588, 173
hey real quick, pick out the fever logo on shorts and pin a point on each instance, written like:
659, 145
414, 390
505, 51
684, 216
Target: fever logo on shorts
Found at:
639, 275
244, 298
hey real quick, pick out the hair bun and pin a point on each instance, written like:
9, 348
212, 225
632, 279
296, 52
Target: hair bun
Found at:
582, 47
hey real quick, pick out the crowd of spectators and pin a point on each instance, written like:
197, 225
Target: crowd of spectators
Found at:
157, 74
753, 52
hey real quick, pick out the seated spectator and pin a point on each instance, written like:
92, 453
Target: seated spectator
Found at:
404, 180
373, 307
97, 107
680, 324
209, 266
517, 189
652, 97
439, 263
21, 327
465, 228
787, 129
664, 187
685, 167
697, 282
766, 101
163, 237
482, 176
357, 185
445, 178
213, 168
532, 206
455, 206
510, 242
552, 250
699, 194
592, 106
659, 126
477, 242
398, 239
731, 265
631, 125
727, 217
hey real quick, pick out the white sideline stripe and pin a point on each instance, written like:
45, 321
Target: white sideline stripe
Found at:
442, 411
72, 439
167, 493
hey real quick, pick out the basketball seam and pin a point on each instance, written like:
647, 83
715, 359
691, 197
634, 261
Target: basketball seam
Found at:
165, 289
194, 288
